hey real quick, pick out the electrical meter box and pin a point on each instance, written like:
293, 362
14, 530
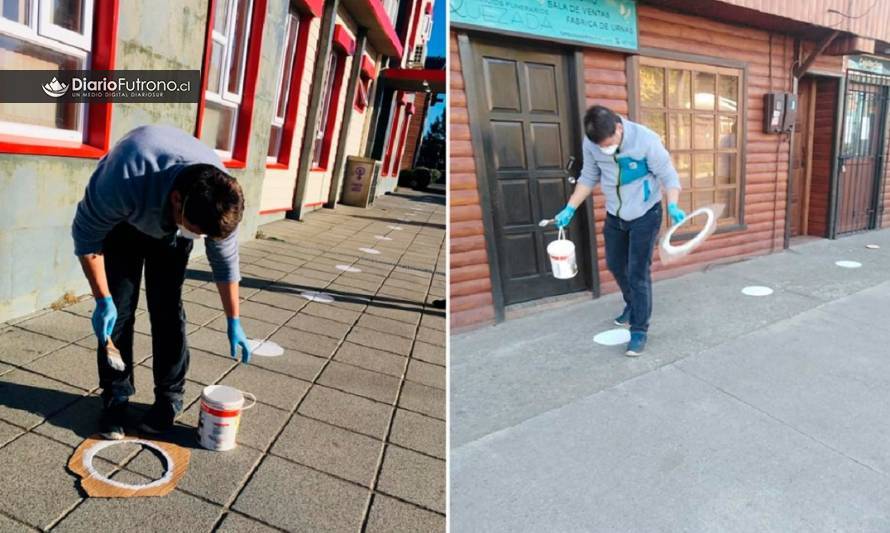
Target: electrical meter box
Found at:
773, 112
790, 112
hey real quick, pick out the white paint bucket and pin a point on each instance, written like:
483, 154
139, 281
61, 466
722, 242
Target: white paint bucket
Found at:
562, 257
220, 416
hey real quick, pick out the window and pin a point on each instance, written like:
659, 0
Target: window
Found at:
696, 109
45, 35
285, 71
363, 89
226, 72
322, 129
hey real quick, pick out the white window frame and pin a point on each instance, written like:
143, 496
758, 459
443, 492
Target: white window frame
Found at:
224, 97
321, 130
292, 18
47, 28
57, 39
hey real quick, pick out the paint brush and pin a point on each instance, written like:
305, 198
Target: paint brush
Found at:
546, 222
113, 355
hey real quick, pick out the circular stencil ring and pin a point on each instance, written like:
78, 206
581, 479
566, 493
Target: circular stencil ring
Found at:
692, 243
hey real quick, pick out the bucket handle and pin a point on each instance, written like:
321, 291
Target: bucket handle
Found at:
252, 397
562, 234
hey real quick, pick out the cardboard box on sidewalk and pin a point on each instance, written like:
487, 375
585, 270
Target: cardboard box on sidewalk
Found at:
360, 174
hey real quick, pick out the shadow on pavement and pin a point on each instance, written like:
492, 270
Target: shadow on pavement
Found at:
341, 296
426, 198
402, 222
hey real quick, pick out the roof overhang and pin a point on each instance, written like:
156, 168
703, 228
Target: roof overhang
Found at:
415, 80
381, 33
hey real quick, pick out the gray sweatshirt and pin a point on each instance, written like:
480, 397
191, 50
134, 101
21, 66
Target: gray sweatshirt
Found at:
132, 184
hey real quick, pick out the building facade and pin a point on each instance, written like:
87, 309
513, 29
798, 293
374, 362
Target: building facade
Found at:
697, 73
290, 89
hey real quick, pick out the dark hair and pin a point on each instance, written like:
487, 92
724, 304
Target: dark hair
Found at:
599, 123
213, 200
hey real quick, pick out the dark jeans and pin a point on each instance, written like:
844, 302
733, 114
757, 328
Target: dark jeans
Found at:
126, 251
629, 248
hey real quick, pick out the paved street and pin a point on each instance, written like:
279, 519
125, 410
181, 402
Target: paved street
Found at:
349, 431
746, 413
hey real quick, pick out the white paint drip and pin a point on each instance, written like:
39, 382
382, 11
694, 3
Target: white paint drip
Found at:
265, 348
613, 337
872, 246
315, 296
848, 264
370, 251
757, 290
347, 268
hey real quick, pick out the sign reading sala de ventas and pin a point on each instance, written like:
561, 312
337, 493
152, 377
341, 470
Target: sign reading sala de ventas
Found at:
611, 23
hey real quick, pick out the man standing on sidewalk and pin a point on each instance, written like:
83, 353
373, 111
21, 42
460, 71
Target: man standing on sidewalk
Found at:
632, 166
150, 196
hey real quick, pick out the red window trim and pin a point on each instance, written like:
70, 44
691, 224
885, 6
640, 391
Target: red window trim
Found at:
400, 152
414, 24
368, 68
393, 127
363, 89
293, 101
311, 7
333, 110
248, 91
343, 41
428, 9
98, 126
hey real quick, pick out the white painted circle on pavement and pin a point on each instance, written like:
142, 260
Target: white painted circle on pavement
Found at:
613, 337
315, 296
369, 251
848, 264
395, 228
382, 238
872, 246
347, 268
757, 290
265, 348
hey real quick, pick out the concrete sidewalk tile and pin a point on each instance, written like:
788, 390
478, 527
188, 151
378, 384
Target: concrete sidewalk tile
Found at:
26, 398
76, 422
431, 336
427, 400
141, 346
409, 314
211, 341
311, 271
372, 385
254, 329
389, 515
418, 432
204, 367
36, 499
236, 523
20, 347
379, 340
433, 321
59, 325
84, 307
8, 432
281, 298
205, 297
347, 410
330, 449
413, 477
388, 325
176, 511
302, 341
213, 475
401, 296
296, 498
72, 364
262, 273
416, 285
270, 388
350, 295
201, 314
266, 313
348, 280
425, 373
429, 353
334, 313
284, 265
323, 326
371, 359
292, 363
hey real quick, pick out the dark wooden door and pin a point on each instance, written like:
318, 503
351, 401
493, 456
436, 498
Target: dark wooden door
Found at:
858, 187
527, 122
801, 161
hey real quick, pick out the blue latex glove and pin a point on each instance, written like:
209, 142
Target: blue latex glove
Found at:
104, 317
238, 338
677, 214
565, 216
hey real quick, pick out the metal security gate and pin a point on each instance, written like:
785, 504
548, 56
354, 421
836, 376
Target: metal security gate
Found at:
863, 152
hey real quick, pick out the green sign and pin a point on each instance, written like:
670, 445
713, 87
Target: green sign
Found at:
871, 64
611, 23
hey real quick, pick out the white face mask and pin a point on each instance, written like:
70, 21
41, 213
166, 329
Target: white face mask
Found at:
182, 229
609, 150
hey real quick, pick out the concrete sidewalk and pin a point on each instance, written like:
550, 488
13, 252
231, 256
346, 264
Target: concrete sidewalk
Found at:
349, 431
745, 414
